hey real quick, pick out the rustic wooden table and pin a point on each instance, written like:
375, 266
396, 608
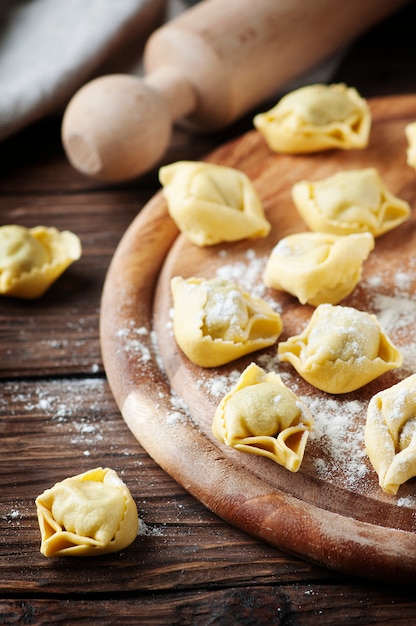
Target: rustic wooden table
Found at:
58, 418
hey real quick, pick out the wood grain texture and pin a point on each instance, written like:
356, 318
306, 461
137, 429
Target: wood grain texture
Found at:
351, 528
55, 429
37, 336
265, 605
188, 566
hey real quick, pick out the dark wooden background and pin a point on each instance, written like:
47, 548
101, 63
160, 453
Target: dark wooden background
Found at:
58, 418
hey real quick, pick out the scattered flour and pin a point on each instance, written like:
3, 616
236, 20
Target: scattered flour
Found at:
13, 517
339, 423
245, 273
148, 531
178, 410
135, 341
408, 502
338, 435
85, 395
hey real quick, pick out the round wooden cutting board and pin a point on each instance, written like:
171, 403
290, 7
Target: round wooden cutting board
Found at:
332, 511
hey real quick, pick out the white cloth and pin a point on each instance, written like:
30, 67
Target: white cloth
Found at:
49, 48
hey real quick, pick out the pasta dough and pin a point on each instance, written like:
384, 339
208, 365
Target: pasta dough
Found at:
318, 267
390, 434
348, 202
215, 321
410, 131
31, 259
262, 416
86, 515
211, 203
316, 117
340, 350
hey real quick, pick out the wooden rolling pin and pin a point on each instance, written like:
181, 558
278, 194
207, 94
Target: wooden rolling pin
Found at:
207, 67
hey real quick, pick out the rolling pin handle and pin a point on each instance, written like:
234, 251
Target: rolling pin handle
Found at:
117, 127
177, 91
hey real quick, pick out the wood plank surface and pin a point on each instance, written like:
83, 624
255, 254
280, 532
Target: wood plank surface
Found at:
58, 416
59, 331
259, 605
172, 522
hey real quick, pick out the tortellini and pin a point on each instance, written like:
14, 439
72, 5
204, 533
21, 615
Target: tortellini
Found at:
340, 350
86, 515
390, 434
31, 259
315, 118
211, 203
260, 415
353, 201
318, 267
410, 131
215, 321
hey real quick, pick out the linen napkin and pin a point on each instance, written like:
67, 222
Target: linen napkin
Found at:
50, 48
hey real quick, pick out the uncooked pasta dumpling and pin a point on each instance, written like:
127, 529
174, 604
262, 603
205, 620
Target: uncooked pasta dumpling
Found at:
215, 321
410, 131
260, 415
86, 515
318, 267
211, 203
390, 434
31, 259
340, 350
352, 201
316, 117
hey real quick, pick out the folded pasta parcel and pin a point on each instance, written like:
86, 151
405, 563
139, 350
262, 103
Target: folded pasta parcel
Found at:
318, 267
215, 321
351, 201
261, 416
211, 203
86, 515
31, 259
410, 132
340, 350
390, 434
315, 118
